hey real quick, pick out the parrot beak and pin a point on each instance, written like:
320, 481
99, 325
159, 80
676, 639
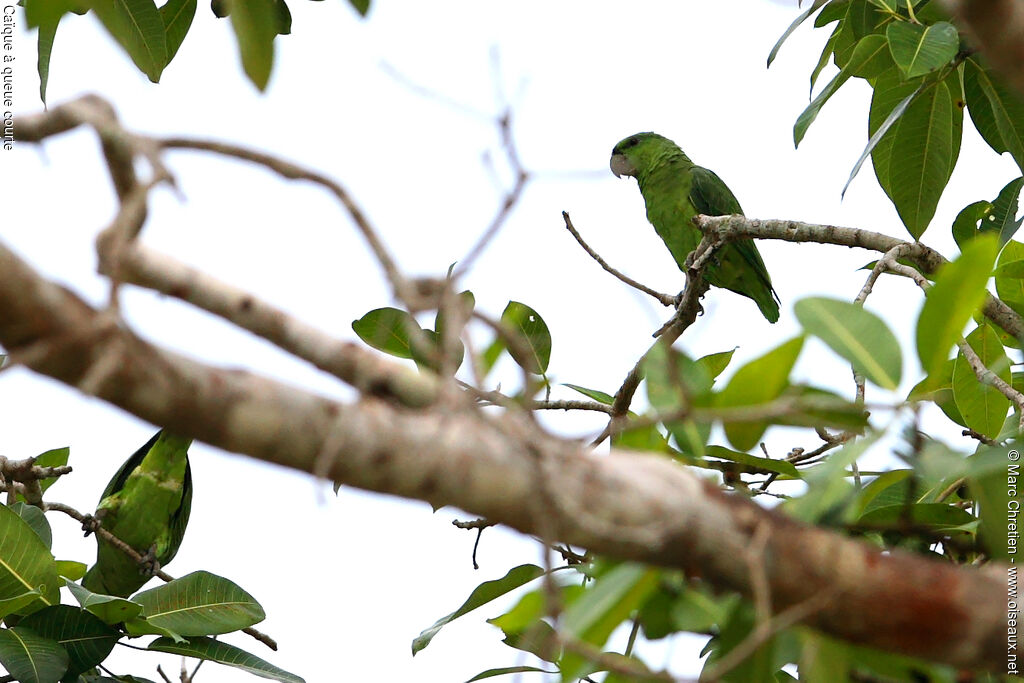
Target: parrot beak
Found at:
621, 166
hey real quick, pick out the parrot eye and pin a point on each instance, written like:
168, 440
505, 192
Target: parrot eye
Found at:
632, 142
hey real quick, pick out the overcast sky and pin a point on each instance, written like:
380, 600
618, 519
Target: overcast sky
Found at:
348, 581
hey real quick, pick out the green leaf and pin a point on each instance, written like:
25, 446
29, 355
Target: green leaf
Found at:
807, 116
759, 381
782, 467
889, 103
958, 292
993, 489
599, 396
85, 638
481, 595
137, 26
1003, 217
110, 609
44, 47
826, 52
606, 603
870, 57
856, 334
56, 457
361, 6
177, 16
830, 497
255, 23
69, 569
716, 363
28, 572
222, 653
758, 666
996, 110
942, 517
924, 149
35, 518
535, 337
504, 671
1010, 276
982, 406
965, 226
919, 50
387, 330
823, 659
30, 658
815, 6
199, 604
938, 388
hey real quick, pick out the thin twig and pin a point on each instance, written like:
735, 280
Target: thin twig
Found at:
664, 299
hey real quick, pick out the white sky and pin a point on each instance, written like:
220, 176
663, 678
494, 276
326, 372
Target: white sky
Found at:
347, 582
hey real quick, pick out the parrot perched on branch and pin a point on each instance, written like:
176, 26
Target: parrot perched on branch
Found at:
675, 190
146, 505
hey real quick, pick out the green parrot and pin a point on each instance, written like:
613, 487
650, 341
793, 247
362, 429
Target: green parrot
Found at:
146, 505
675, 190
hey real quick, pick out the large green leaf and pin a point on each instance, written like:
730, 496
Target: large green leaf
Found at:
938, 388
35, 518
983, 406
109, 609
31, 658
857, 335
759, 381
84, 636
958, 292
1010, 276
388, 330
996, 110
607, 603
783, 467
531, 329
883, 101
255, 23
481, 595
869, 58
199, 604
968, 222
28, 572
1003, 217
137, 26
814, 7
915, 157
675, 382
918, 50
222, 653
177, 16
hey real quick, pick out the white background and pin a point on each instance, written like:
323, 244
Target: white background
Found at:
348, 581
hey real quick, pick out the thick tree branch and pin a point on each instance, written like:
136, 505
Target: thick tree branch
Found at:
927, 259
629, 505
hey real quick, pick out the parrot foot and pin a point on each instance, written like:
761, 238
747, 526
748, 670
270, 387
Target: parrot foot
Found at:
149, 565
679, 300
91, 524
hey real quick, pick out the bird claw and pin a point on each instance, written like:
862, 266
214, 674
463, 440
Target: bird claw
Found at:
90, 524
149, 565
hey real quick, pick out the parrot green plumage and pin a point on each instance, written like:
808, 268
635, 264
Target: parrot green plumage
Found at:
147, 506
675, 190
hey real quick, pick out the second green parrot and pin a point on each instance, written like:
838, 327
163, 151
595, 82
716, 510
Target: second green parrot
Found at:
675, 190
146, 505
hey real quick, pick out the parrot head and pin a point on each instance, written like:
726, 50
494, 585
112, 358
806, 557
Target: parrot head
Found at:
640, 152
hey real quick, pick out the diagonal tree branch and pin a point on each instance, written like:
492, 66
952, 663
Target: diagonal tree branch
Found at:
649, 508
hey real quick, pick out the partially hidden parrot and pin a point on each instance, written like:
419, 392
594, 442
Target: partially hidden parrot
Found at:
675, 190
146, 505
